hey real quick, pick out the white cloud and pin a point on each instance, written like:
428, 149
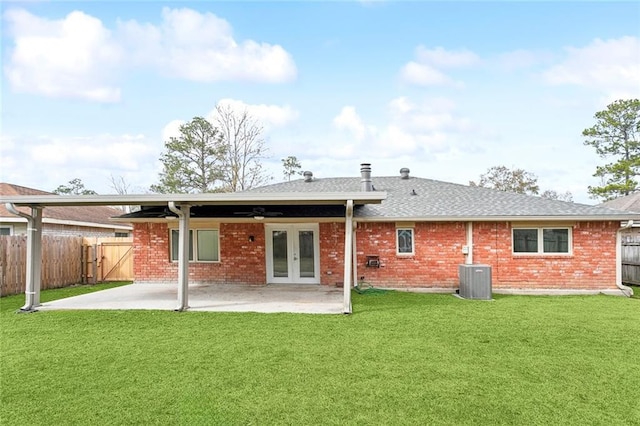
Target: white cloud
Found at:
79, 57
425, 75
609, 66
56, 160
73, 57
442, 58
201, 47
411, 129
269, 116
427, 68
349, 120
172, 129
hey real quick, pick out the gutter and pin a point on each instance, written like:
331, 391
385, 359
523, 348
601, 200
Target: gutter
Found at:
627, 291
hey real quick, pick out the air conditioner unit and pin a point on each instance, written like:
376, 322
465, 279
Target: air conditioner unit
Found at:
475, 281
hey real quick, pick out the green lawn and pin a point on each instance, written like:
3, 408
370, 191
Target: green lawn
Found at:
399, 359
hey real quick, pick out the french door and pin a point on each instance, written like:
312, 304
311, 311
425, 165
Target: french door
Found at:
292, 253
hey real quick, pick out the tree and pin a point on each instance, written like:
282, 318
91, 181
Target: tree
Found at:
245, 149
554, 195
194, 161
504, 179
291, 167
75, 187
119, 184
122, 187
616, 136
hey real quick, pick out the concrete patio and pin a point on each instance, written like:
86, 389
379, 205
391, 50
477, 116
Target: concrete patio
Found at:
294, 298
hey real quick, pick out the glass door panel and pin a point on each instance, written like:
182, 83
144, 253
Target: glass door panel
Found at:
280, 254
306, 249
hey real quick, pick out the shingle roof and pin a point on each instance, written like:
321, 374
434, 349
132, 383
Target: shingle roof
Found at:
629, 203
89, 214
417, 198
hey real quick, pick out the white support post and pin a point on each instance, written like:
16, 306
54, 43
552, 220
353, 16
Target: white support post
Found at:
33, 279
184, 214
348, 254
35, 253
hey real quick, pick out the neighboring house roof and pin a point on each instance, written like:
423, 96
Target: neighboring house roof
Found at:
630, 203
426, 199
75, 215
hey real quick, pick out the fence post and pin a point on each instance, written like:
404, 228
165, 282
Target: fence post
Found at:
94, 265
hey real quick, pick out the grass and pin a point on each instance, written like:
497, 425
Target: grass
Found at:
401, 358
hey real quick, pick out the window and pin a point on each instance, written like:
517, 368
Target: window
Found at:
6, 230
121, 234
404, 237
203, 245
542, 240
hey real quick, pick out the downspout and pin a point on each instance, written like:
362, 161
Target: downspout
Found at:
627, 291
355, 255
34, 256
348, 253
183, 213
469, 247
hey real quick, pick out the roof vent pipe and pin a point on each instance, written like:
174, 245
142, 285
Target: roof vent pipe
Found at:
404, 173
365, 181
308, 176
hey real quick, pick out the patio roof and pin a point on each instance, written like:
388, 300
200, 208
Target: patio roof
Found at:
205, 199
180, 205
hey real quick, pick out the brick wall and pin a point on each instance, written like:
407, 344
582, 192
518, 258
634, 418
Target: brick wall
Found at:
592, 264
438, 252
241, 261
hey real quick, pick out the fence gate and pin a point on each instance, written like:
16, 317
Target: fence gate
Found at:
631, 260
107, 259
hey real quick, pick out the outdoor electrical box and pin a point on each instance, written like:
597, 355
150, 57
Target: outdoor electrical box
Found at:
475, 282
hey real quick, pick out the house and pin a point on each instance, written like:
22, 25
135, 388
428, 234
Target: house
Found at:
85, 221
414, 236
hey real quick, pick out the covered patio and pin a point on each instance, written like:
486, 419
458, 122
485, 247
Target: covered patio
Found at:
183, 296
307, 299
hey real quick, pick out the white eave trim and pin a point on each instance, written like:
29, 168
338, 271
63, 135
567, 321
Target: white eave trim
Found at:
236, 198
69, 223
87, 224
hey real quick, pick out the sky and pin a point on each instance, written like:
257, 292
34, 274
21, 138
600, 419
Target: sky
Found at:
92, 89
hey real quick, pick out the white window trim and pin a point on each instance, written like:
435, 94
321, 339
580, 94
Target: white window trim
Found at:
195, 245
541, 251
9, 227
413, 241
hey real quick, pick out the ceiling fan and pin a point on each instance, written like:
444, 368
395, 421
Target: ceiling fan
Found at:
259, 213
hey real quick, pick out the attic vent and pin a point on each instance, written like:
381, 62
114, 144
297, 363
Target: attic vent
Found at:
308, 176
404, 173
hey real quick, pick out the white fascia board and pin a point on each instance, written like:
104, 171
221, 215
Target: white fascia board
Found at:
13, 219
236, 198
86, 224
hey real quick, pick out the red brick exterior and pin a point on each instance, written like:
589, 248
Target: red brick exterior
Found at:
241, 261
592, 264
438, 252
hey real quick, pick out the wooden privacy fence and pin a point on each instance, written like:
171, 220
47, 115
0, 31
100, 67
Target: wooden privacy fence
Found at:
61, 264
631, 259
65, 261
